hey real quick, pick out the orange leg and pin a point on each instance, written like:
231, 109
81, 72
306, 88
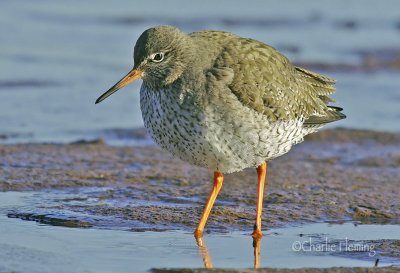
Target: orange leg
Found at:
218, 181
262, 173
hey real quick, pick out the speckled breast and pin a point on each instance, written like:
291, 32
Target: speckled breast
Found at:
219, 135
173, 124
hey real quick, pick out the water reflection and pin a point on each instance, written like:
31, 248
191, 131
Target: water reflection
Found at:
256, 248
206, 257
204, 253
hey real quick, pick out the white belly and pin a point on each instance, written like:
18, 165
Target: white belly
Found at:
221, 136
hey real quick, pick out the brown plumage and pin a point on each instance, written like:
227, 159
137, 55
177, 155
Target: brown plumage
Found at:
224, 102
267, 82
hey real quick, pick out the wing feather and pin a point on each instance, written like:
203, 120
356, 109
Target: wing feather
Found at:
267, 82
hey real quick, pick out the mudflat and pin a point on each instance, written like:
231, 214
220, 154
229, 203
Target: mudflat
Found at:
335, 175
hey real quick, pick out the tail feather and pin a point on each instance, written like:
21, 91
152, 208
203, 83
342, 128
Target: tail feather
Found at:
333, 114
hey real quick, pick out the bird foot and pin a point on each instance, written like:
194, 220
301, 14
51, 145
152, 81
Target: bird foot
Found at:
257, 234
198, 234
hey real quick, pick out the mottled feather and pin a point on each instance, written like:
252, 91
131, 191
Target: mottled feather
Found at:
264, 80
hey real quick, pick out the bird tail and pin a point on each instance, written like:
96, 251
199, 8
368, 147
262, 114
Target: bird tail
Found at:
333, 113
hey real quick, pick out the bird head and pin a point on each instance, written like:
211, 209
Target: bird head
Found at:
161, 55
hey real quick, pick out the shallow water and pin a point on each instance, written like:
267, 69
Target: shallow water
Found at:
26, 246
57, 57
50, 249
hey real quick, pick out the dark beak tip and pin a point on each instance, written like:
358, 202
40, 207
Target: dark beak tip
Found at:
106, 95
130, 77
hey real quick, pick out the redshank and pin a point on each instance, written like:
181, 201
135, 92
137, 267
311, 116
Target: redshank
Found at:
224, 102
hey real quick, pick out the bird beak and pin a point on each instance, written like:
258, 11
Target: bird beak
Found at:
132, 76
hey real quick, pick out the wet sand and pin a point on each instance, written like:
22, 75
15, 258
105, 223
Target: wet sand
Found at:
273, 270
334, 176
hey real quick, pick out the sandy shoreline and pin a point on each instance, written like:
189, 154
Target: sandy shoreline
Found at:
334, 176
273, 270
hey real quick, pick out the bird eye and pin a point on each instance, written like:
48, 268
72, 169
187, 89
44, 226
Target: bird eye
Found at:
157, 57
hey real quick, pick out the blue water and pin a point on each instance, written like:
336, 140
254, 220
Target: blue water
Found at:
26, 246
57, 57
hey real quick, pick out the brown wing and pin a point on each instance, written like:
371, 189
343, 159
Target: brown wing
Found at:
267, 82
